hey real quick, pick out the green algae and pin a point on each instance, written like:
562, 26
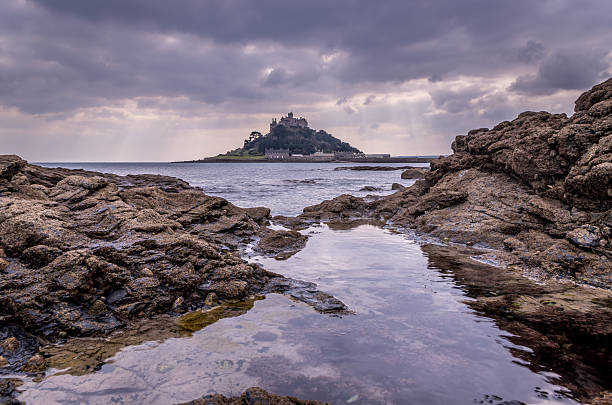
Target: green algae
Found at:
80, 356
199, 319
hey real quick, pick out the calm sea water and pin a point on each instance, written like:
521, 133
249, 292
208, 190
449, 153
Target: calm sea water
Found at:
285, 188
411, 340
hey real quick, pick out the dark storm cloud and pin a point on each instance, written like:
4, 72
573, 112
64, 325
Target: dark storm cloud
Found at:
565, 70
66, 54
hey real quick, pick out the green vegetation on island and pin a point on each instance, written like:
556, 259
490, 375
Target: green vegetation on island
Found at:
289, 134
303, 141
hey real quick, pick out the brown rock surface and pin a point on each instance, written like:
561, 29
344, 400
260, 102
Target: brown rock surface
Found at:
90, 252
282, 244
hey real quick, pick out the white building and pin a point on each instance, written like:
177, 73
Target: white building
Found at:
277, 154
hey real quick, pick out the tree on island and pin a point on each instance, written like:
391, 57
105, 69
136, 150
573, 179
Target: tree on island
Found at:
303, 141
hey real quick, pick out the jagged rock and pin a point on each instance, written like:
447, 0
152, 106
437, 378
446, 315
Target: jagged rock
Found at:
10, 165
369, 188
586, 237
91, 252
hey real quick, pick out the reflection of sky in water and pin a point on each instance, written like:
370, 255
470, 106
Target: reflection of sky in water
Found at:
411, 340
285, 188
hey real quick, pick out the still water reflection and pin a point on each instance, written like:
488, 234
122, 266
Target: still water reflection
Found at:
411, 339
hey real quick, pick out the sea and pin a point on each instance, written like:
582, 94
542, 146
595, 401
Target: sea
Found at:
285, 188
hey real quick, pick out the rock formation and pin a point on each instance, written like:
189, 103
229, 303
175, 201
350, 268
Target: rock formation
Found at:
538, 189
85, 253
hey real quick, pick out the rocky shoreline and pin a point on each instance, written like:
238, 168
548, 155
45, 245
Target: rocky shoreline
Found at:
85, 254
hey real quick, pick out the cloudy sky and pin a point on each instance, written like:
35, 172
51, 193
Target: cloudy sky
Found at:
158, 80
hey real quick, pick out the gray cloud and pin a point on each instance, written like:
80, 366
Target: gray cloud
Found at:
574, 69
369, 99
454, 101
206, 59
531, 52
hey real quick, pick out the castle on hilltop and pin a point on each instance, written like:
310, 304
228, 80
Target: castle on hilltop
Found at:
289, 122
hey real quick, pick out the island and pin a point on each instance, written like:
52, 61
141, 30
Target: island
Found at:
291, 140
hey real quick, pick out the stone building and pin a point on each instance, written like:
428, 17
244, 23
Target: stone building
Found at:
348, 155
277, 154
289, 122
321, 156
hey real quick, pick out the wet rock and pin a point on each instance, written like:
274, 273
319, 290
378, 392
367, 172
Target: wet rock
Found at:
230, 289
282, 244
40, 255
261, 215
178, 304
414, 173
211, 299
8, 391
307, 292
98, 308
146, 272
9, 345
397, 186
35, 364
3, 362
91, 252
586, 237
252, 396
369, 188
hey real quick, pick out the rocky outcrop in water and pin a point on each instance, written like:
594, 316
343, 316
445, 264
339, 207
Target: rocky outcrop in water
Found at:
414, 173
85, 253
281, 244
538, 189
252, 396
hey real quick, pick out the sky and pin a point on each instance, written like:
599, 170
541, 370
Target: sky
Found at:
159, 80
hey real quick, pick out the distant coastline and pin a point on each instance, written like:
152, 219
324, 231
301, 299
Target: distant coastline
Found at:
263, 159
